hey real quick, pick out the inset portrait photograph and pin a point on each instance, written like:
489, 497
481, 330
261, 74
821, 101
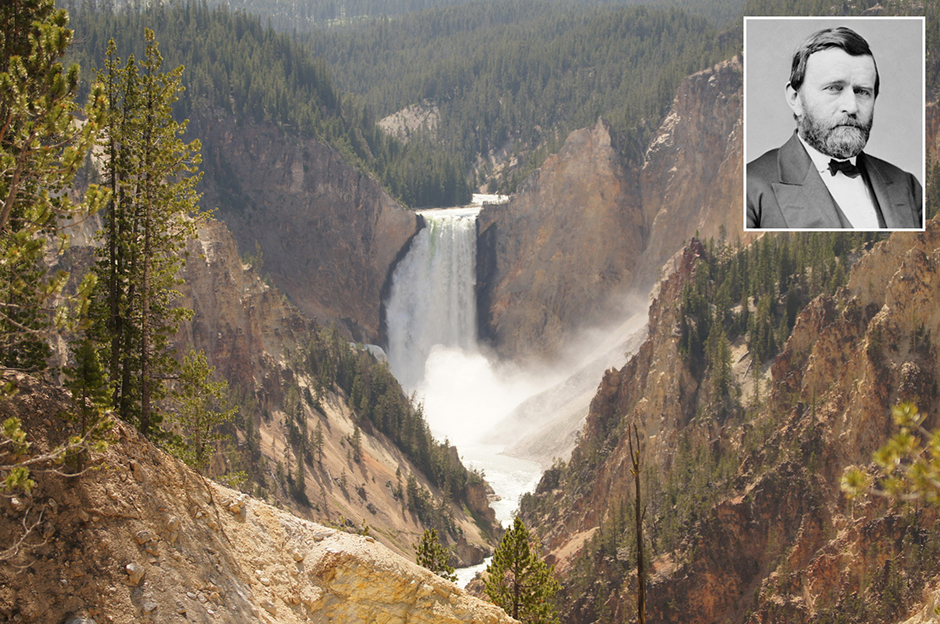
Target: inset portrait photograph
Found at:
834, 123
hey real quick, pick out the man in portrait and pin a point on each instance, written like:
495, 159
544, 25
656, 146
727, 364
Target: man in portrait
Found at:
821, 178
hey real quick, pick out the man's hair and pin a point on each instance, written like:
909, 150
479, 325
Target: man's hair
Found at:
838, 37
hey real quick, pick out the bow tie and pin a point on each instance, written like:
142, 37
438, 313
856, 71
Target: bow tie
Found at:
844, 166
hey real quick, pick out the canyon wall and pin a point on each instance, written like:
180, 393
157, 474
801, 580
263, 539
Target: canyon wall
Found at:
589, 227
141, 538
763, 534
258, 342
324, 233
550, 258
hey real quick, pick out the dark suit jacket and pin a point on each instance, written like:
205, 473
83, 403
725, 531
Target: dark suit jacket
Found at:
784, 191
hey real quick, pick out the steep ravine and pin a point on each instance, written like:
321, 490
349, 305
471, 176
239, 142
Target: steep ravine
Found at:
257, 341
590, 227
141, 538
780, 543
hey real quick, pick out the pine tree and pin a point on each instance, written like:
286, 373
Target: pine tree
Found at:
152, 175
433, 555
91, 395
718, 352
356, 443
519, 582
318, 442
42, 146
300, 483
199, 407
89, 385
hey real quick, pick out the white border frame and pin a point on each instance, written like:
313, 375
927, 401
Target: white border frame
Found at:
824, 21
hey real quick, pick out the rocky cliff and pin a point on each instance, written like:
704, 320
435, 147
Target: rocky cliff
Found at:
141, 538
259, 342
746, 521
550, 258
692, 174
588, 226
326, 234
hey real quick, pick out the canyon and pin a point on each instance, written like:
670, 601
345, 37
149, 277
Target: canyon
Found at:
142, 538
305, 244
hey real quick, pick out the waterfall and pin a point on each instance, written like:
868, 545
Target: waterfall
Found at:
432, 300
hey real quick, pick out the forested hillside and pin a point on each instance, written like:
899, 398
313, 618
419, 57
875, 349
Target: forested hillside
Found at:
303, 15
523, 75
162, 326
235, 66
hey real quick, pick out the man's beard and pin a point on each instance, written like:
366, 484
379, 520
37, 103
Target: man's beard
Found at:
843, 139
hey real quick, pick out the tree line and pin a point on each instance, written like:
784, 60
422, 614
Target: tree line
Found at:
121, 318
305, 15
238, 67
524, 72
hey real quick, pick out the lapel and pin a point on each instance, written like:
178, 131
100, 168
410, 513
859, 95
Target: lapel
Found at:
801, 194
893, 199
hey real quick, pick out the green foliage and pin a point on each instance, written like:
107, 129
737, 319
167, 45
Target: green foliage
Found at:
91, 395
199, 408
431, 554
42, 146
356, 443
318, 442
908, 463
304, 16
524, 75
421, 503
776, 276
152, 175
88, 383
13, 447
518, 581
238, 67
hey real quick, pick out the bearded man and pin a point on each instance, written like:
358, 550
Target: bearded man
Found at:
821, 178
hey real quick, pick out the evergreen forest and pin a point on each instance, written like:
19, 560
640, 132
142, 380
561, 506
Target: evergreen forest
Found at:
300, 16
233, 65
521, 76
510, 76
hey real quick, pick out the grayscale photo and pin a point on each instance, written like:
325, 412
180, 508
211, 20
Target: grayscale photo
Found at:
834, 123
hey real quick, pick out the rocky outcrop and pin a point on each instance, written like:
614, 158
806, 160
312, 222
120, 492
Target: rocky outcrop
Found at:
589, 226
141, 538
326, 234
257, 341
776, 541
550, 259
245, 326
692, 176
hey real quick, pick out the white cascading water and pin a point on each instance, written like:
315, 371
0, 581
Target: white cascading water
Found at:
432, 301
432, 349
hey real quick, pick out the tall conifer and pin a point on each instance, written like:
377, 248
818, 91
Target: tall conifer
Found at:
42, 146
519, 582
152, 174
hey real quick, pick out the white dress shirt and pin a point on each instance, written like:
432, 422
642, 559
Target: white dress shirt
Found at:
852, 195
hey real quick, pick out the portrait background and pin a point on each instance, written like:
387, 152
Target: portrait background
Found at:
897, 45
